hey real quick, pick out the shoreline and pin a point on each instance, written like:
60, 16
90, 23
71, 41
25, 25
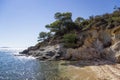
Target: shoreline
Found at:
100, 69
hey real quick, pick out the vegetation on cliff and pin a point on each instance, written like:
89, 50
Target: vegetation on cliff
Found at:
65, 30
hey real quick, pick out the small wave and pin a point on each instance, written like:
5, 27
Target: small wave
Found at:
15, 53
25, 57
12, 50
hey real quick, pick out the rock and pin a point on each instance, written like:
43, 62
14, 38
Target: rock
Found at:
116, 34
93, 44
24, 52
108, 54
116, 50
81, 54
42, 49
105, 38
98, 45
50, 53
19, 55
46, 53
112, 53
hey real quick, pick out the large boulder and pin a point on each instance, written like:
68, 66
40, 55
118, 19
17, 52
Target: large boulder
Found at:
112, 53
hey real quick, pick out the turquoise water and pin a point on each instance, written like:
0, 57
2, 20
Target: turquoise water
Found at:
25, 68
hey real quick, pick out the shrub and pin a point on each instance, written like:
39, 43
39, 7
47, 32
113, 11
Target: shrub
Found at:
70, 40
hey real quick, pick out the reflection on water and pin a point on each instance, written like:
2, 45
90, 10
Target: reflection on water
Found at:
50, 71
27, 68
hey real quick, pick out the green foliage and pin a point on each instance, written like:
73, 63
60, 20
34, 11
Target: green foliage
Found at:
70, 40
62, 23
78, 22
57, 15
44, 35
63, 16
117, 8
49, 35
55, 26
105, 21
116, 19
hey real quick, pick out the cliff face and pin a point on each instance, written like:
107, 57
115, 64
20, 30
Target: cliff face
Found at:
97, 44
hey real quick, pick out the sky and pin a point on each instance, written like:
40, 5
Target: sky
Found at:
22, 20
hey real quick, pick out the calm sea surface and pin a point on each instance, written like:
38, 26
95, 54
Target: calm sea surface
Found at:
26, 68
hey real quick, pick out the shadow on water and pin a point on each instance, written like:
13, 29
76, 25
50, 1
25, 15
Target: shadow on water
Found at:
50, 70
70, 70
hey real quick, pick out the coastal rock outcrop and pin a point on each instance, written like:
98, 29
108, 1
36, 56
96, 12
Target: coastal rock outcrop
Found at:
96, 44
53, 52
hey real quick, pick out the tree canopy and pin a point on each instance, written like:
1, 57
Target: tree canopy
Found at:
62, 24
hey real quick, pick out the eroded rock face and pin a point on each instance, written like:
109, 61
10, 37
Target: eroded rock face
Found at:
105, 38
95, 44
112, 53
116, 50
81, 54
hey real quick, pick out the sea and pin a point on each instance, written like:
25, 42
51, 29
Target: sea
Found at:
15, 67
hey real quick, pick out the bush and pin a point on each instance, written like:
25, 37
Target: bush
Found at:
70, 40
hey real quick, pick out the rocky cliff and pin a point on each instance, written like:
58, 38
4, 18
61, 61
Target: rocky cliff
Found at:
96, 44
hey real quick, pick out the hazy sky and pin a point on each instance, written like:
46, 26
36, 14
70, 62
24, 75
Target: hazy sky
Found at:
22, 20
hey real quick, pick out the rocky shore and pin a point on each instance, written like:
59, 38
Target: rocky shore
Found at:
98, 44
